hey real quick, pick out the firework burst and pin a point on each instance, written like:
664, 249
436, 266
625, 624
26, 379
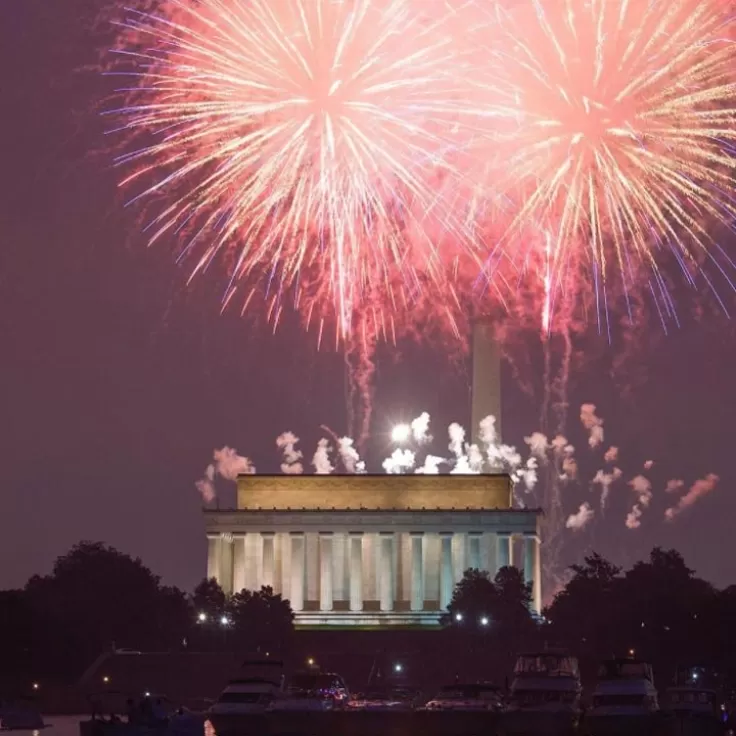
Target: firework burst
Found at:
619, 119
303, 140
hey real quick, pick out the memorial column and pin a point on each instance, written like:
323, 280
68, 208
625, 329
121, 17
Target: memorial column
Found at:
356, 570
532, 569
504, 550
239, 562
268, 559
474, 550
417, 571
325, 571
386, 576
446, 573
296, 596
226, 563
213, 556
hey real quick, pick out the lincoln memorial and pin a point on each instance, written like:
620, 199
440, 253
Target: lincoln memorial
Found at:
369, 550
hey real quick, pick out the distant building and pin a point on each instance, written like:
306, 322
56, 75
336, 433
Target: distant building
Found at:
376, 550
368, 550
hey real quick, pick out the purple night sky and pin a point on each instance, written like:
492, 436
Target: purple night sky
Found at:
117, 380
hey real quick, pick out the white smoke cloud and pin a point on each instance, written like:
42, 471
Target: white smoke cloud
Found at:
633, 518
611, 454
605, 481
420, 429
569, 464
349, 456
206, 485
431, 465
558, 444
228, 465
475, 459
538, 444
488, 433
593, 423
321, 458
700, 488
457, 439
674, 485
642, 486
579, 521
286, 443
399, 462
649, 464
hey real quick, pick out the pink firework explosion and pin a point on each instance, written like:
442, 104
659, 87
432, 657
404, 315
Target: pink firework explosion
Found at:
305, 142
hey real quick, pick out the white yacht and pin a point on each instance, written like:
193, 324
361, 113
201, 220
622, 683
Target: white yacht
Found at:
249, 695
544, 696
624, 698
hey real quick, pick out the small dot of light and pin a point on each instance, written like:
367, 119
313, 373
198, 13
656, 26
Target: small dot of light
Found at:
458, 617
398, 667
310, 662
202, 617
105, 679
35, 686
484, 621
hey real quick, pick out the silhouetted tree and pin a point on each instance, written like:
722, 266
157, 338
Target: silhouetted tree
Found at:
583, 615
100, 598
16, 638
494, 614
175, 618
473, 600
261, 621
666, 610
209, 598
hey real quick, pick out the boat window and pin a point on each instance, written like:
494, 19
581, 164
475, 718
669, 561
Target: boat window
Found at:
534, 697
622, 699
468, 692
692, 697
614, 670
547, 665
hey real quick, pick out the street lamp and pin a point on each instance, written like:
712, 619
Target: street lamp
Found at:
458, 617
224, 620
398, 667
310, 662
484, 621
202, 617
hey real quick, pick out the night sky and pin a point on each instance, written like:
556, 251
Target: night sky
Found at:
118, 380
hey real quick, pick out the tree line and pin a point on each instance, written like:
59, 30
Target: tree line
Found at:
658, 611
97, 599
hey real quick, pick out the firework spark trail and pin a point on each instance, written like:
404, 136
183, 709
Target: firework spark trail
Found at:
620, 118
301, 139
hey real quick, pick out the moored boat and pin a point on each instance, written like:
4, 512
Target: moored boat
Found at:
624, 700
544, 698
693, 711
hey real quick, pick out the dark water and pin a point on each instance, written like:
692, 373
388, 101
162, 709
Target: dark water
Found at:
69, 726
